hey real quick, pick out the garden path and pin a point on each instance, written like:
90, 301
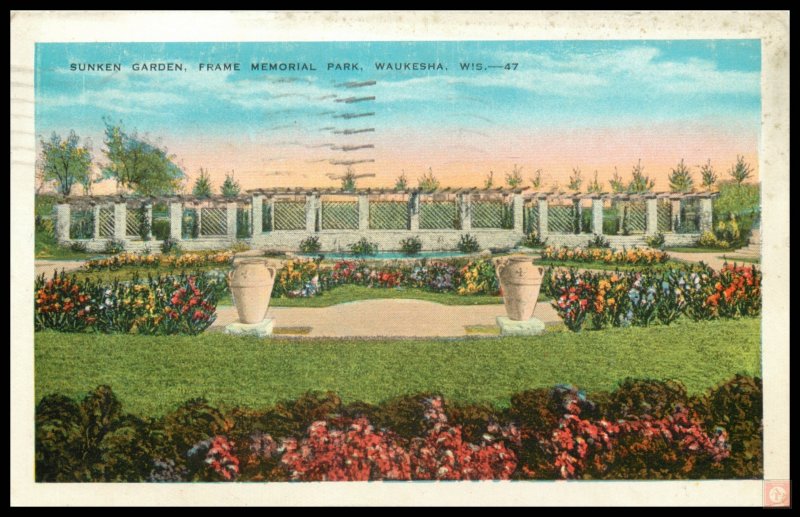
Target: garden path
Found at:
393, 318
48, 267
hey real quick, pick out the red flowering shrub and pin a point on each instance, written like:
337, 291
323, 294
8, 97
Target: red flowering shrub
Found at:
63, 304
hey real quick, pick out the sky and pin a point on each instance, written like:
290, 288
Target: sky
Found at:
548, 105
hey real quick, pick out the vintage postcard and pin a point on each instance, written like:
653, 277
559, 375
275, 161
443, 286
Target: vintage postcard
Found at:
269, 265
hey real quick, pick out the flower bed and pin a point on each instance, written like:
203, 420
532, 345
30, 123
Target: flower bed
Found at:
641, 298
184, 304
310, 277
643, 430
631, 256
185, 260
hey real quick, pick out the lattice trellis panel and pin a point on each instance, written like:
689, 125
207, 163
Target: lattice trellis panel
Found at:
189, 226
637, 217
81, 224
664, 213
106, 216
530, 218
339, 215
388, 215
290, 215
438, 215
487, 214
213, 221
133, 218
561, 218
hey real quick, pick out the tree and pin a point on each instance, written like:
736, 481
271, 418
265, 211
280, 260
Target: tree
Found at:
741, 171
616, 183
65, 162
230, 187
594, 187
401, 183
349, 180
536, 181
514, 178
639, 182
680, 179
575, 180
708, 174
202, 185
138, 164
488, 182
428, 182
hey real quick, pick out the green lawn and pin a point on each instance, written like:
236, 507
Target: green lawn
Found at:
739, 260
683, 249
46, 248
152, 375
608, 267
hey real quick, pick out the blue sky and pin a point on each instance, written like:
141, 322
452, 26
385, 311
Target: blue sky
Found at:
559, 86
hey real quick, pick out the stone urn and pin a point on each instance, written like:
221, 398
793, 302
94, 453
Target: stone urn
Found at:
520, 281
251, 284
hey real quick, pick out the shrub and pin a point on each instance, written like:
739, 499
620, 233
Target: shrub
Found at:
310, 244
363, 248
114, 246
468, 244
161, 229
709, 240
411, 245
656, 241
78, 246
598, 242
532, 240
428, 182
170, 245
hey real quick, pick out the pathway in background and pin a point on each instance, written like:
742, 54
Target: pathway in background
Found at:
48, 267
395, 318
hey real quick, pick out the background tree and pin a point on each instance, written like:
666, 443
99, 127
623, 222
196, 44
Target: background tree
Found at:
709, 176
616, 183
639, 182
202, 185
138, 164
488, 181
401, 183
428, 182
594, 187
741, 170
230, 187
536, 180
680, 179
514, 178
65, 162
575, 180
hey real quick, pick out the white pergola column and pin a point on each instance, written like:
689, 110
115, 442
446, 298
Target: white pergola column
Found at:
120, 220
518, 207
311, 212
465, 211
413, 211
597, 216
230, 212
651, 219
175, 220
542, 217
363, 212
148, 213
706, 214
62, 222
257, 206
96, 218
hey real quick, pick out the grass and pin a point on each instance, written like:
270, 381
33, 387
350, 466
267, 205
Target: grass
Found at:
607, 267
737, 260
153, 375
46, 248
683, 249
352, 293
